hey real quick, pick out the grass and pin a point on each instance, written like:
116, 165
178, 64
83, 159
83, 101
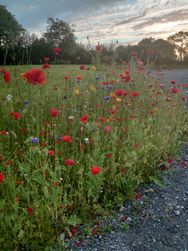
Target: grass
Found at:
121, 135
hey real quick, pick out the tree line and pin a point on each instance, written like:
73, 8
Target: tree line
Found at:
17, 46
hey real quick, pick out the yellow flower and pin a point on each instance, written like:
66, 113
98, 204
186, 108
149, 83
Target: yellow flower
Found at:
93, 68
93, 88
76, 91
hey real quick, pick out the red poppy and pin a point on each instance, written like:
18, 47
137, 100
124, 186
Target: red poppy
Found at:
96, 170
135, 94
2, 177
122, 170
54, 112
67, 139
56, 50
175, 90
185, 84
69, 162
84, 119
46, 59
126, 77
6, 75
4, 132
74, 230
98, 47
102, 119
19, 182
173, 82
78, 77
16, 115
120, 92
30, 211
35, 76
46, 66
83, 67
107, 128
108, 155
66, 77
51, 152
138, 196
170, 161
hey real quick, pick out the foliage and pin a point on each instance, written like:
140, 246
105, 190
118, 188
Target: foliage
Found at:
10, 29
180, 41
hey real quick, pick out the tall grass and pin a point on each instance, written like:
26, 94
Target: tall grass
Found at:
117, 143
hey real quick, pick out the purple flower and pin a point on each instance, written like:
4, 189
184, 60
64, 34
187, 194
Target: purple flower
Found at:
35, 140
106, 98
26, 102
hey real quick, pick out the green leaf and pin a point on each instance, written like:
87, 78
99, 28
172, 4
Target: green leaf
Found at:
74, 220
157, 181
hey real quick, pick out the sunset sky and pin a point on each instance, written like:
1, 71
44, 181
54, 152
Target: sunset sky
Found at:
105, 21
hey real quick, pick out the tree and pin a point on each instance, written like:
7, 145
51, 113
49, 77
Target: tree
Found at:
60, 34
10, 32
10, 29
146, 42
81, 55
180, 41
165, 51
40, 49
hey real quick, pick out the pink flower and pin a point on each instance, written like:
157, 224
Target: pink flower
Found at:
107, 128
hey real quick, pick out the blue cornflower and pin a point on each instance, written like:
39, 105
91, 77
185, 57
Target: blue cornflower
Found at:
35, 140
26, 102
106, 98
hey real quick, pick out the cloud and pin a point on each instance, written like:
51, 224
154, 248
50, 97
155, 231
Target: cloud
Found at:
105, 20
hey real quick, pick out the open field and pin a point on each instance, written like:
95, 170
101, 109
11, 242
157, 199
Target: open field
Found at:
76, 143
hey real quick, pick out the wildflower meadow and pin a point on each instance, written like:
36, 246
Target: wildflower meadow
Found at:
76, 141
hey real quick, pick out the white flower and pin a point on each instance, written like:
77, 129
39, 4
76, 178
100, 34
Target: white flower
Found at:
71, 117
86, 140
9, 97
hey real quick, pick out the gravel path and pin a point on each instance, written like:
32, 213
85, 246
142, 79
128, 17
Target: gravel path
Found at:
158, 221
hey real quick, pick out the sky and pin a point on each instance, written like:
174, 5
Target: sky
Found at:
105, 21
